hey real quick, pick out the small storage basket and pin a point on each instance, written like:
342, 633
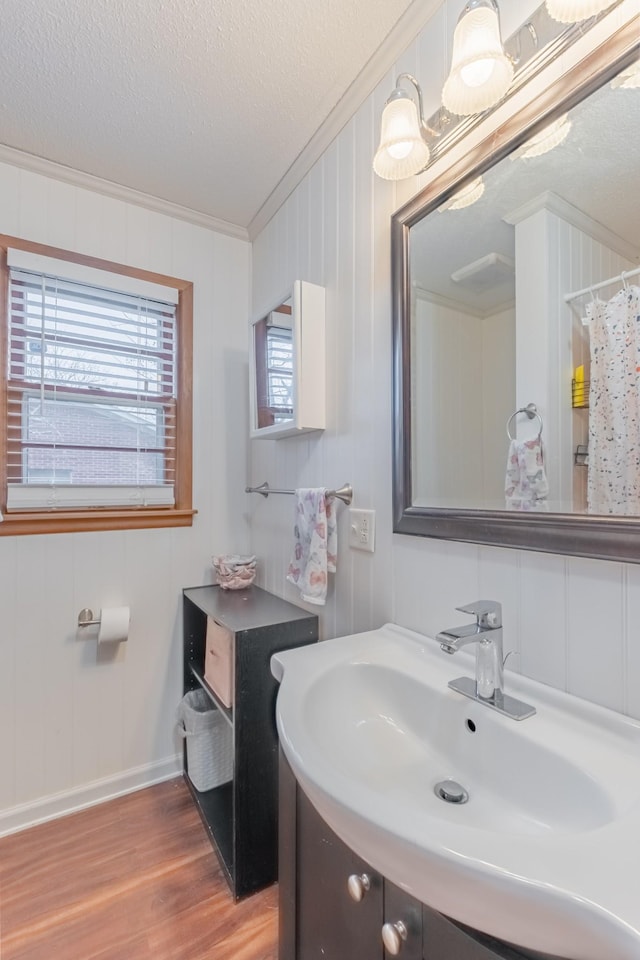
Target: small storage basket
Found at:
209, 741
235, 572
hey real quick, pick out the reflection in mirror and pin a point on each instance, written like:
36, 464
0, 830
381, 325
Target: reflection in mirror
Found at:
499, 321
518, 286
273, 346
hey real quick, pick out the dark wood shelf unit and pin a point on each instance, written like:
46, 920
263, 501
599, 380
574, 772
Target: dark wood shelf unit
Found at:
241, 816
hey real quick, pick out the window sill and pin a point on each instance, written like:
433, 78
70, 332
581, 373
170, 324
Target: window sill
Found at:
75, 521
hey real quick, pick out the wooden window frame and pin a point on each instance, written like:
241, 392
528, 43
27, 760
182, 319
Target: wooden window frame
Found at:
109, 518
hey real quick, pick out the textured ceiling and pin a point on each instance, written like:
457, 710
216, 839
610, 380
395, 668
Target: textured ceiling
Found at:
205, 103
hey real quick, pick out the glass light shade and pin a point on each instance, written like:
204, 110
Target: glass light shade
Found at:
551, 136
629, 79
481, 72
465, 197
402, 151
572, 11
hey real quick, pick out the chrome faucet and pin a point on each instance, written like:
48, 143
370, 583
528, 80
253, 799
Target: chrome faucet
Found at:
486, 632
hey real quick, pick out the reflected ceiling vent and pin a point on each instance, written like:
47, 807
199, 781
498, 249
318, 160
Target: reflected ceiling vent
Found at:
487, 272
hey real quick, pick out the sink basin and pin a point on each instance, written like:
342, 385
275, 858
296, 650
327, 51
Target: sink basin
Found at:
539, 855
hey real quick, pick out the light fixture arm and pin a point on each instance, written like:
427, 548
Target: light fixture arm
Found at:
426, 129
529, 27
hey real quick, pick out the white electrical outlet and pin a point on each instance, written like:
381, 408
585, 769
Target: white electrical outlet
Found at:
362, 530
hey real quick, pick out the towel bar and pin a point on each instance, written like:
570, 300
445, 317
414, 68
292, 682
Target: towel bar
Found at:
344, 493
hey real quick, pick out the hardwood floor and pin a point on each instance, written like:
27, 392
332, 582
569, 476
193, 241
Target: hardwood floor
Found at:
132, 879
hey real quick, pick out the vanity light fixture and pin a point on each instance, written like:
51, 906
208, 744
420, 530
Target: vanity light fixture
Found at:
464, 197
484, 71
549, 137
573, 11
481, 72
403, 150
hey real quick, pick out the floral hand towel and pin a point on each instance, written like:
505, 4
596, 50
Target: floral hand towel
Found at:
526, 486
315, 544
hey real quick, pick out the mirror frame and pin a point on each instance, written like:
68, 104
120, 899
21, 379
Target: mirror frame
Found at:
606, 538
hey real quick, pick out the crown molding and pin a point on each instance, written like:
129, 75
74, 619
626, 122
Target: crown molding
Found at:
76, 178
390, 50
439, 300
552, 203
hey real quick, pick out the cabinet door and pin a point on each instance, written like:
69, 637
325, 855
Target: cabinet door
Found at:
330, 924
445, 940
400, 908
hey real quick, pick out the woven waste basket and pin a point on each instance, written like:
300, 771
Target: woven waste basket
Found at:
209, 741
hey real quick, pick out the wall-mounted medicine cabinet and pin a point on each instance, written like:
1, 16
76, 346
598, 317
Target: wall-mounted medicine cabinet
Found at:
287, 371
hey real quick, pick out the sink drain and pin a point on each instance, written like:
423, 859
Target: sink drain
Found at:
451, 791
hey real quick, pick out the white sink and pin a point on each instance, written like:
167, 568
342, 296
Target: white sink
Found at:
543, 854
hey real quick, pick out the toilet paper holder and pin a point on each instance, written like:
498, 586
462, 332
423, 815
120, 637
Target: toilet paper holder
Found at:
112, 622
86, 618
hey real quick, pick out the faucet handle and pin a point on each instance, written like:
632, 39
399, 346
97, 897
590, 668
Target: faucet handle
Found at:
488, 613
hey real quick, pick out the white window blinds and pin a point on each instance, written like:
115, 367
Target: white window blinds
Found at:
91, 394
280, 371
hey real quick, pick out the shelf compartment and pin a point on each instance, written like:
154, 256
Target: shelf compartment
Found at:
216, 811
227, 712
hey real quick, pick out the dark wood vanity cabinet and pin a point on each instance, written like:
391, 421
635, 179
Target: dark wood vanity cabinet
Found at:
330, 924
319, 919
241, 815
445, 940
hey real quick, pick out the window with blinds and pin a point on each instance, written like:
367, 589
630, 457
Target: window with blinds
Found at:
91, 393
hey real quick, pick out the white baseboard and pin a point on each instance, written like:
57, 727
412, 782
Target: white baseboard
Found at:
98, 791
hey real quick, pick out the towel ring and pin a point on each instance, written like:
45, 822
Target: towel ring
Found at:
530, 411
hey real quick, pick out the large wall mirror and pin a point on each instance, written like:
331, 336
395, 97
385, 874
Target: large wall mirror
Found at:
516, 302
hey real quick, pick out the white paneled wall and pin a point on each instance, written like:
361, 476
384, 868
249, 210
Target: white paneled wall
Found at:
498, 394
572, 621
456, 432
466, 375
78, 724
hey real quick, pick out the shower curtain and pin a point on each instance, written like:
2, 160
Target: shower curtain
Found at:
613, 485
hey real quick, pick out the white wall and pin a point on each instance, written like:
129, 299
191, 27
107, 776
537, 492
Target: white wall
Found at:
448, 400
463, 396
74, 726
572, 620
498, 395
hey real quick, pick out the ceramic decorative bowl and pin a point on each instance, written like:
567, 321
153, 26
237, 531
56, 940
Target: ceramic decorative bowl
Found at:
235, 572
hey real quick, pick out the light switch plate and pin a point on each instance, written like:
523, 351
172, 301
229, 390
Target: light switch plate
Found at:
362, 530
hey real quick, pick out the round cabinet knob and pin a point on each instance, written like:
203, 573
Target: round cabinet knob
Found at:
357, 885
393, 936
